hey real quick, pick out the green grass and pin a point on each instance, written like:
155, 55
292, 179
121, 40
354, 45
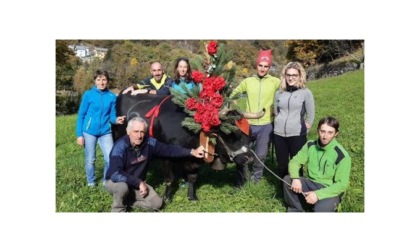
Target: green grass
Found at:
341, 96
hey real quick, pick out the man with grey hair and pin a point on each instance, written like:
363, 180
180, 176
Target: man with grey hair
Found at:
129, 162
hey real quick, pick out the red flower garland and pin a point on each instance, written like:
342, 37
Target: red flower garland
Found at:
210, 100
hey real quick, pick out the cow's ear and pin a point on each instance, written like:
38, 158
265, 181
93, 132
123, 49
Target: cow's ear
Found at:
243, 125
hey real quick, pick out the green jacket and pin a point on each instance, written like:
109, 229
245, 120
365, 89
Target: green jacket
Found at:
329, 165
260, 94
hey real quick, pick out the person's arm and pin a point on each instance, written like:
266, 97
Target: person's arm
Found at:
241, 88
310, 109
296, 163
83, 108
170, 150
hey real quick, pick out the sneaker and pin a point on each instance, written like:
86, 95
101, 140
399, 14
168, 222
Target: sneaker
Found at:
91, 184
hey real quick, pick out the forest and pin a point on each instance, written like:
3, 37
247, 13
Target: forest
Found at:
127, 61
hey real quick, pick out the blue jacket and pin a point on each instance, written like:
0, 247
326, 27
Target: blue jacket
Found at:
178, 87
130, 164
96, 112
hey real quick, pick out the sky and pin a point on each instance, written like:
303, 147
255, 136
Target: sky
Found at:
29, 32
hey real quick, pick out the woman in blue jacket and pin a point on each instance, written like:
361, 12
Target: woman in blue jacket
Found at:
96, 113
182, 75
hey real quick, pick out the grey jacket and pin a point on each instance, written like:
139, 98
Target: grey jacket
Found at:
292, 110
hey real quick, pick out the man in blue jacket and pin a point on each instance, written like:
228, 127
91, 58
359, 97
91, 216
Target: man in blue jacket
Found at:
129, 161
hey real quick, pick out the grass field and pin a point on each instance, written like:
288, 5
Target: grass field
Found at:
341, 96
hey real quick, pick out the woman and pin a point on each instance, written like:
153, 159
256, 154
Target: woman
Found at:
294, 111
96, 113
182, 75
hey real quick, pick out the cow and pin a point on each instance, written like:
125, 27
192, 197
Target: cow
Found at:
166, 127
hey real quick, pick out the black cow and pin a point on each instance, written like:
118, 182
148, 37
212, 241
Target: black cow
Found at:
167, 128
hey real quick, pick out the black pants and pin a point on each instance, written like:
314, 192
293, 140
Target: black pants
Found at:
286, 149
294, 200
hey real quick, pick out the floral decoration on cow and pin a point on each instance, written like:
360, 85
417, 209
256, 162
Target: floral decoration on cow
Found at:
205, 103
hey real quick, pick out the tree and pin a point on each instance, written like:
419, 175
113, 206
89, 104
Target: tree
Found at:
66, 65
311, 52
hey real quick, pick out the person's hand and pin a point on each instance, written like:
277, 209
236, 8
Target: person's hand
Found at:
120, 119
80, 141
152, 92
130, 88
139, 91
143, 189
199, 152
308, 126
311, 197
296, 186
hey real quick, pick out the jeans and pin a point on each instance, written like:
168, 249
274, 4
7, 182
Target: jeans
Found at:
105, 143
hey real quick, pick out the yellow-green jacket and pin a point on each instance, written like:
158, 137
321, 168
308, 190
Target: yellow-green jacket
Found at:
260, 94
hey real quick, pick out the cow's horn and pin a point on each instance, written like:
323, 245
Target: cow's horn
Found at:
257, 115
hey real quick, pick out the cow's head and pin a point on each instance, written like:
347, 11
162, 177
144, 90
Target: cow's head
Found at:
235, 147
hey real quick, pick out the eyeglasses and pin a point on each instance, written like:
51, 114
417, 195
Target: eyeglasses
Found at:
294, 76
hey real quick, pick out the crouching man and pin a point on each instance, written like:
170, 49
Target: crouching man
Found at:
328, 172
129, 161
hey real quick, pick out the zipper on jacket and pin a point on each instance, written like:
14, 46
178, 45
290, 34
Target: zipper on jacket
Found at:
287, 117
259, 100
102, 111
88, 124
319, 162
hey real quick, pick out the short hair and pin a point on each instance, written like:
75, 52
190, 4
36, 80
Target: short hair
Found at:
302, 74
101, 73
137, 119
330, 121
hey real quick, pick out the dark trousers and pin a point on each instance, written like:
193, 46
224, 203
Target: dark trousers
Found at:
286, 149
294, 200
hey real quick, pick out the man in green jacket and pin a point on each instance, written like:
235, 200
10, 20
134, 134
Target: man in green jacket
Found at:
328, 171
260, 90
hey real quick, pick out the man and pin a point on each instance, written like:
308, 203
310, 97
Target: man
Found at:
159, 83
129, 161
328, 171
260, 90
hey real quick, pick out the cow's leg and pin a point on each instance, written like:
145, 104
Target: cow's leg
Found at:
169, 176
242, 175
191, 178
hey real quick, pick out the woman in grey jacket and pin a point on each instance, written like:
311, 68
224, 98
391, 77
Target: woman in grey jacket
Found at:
294, 111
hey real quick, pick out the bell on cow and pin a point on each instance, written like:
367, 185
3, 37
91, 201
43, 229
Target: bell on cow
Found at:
217, 164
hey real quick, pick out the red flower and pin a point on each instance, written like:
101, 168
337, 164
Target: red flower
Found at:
212, 47
206, 93
191, 104
218, 83
216, 100
197, 76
